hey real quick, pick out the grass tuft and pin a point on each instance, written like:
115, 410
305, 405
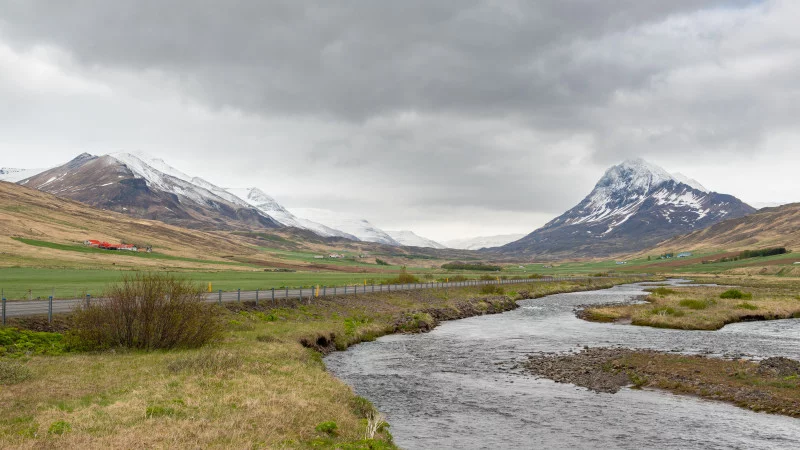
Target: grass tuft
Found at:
12, 372
736, 294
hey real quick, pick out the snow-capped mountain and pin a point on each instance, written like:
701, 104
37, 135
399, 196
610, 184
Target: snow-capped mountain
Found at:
145, 187
635, 205
477, 243
15, 175
411, 239
359, 228
266, 204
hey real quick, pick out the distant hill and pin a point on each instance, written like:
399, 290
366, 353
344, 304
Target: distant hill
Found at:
769, 227
634, 206
479, 242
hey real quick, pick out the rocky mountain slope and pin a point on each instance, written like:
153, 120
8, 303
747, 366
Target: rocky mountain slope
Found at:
411, 239
634, 206
146, 188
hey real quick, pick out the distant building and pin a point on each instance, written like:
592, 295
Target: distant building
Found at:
621, 262
318, 257
684, 254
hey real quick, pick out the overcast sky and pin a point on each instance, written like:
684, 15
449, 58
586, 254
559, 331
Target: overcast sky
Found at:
451, 118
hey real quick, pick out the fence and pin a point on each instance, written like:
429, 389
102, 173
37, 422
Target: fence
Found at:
274, 296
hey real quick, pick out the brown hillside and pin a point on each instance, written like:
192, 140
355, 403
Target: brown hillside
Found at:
768, 227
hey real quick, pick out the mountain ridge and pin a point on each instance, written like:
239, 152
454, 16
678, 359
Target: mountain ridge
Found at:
633, 206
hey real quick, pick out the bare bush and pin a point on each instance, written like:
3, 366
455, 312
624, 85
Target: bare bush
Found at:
148, 311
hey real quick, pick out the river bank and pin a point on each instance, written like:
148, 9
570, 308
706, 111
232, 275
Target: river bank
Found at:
771, 385
264, 385
696, 307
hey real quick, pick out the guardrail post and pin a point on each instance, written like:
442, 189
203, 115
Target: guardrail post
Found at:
219, 300
50, 309
256, 297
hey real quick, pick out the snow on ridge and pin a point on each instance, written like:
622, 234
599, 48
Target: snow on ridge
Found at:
411, 239
258, 199
13, 175
691, 182
360, 228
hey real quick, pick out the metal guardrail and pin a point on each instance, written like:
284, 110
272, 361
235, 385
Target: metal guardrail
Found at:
273, 296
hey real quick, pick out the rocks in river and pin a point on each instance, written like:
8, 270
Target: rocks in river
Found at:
779, 366
587, 368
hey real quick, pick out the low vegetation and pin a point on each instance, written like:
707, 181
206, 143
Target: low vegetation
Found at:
148, 312
701, 307
263, 385
457, 265
763, 252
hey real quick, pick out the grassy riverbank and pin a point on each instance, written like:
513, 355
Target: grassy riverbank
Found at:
262, 386
707, 307
772, 385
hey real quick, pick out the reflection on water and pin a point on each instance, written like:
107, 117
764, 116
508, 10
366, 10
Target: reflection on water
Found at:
450, 388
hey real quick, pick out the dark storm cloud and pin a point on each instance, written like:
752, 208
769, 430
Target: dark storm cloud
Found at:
353, 60
434, 104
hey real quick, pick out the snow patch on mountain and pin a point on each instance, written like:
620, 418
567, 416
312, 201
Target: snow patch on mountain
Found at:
691, 182
477, 243
15, 175
359, 228
411, 239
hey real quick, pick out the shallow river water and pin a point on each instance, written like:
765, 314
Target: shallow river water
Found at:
452, 387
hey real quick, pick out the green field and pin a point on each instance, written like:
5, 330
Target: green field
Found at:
76, 283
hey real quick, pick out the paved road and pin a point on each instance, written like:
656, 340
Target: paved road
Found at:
36, 307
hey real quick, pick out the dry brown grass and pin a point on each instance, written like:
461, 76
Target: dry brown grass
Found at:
701, 308
258, 388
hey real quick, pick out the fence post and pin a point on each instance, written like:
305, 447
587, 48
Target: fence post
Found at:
286, 294
273, 296
4, 308
345, 289
88, 299
334, 290
50, 310
256, 297
220, 297
324, 291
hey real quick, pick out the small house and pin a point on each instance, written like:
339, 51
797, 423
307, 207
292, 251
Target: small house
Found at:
684, 254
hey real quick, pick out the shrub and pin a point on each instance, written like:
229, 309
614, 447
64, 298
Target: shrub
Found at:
662, 291
763, 252
148, 311
491, 289
745, 305
458, 265
666, 311
59, 427
695, 304
328, 428
736, 294
535, 276
403, 278
381, 262
456, 278
487, 278
12, 372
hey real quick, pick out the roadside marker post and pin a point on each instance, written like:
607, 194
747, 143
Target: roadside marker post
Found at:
256, 297
238, 295
88, 299
324, 291
4, 307
273, 296
50, 310
220, 297
286, 293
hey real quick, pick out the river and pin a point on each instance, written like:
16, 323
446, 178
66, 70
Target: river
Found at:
456, 387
